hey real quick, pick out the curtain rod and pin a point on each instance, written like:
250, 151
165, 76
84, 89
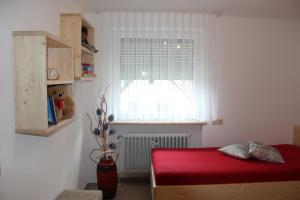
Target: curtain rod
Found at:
217, 13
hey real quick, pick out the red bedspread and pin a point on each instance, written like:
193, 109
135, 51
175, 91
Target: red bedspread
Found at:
209, 166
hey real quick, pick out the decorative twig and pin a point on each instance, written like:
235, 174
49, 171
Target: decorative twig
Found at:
103, 133
91, 122
91, 157
91, 128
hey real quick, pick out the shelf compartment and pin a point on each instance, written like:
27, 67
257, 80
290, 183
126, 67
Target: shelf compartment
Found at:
62, 60
67, 89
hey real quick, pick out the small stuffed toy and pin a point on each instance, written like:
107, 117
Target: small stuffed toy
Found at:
69, 107
59, 104
64, 105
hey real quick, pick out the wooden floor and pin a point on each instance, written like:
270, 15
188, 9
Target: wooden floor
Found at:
129, 190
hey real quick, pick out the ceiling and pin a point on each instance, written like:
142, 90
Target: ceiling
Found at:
285, 9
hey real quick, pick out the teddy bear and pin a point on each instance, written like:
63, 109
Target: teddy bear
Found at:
64, 105
69, 107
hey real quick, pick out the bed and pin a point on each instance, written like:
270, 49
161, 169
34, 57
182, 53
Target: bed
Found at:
179, 176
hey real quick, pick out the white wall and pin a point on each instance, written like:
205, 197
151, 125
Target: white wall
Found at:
36, 168
259, 63
259, 82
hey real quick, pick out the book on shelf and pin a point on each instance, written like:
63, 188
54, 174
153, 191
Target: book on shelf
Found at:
52, 119
88, 70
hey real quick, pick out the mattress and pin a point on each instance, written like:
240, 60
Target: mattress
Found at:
196, 166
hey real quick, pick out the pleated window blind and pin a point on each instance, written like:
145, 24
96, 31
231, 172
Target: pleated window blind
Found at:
156, 59
156, 78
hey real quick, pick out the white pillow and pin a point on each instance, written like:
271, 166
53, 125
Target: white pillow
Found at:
265, 153
236, 150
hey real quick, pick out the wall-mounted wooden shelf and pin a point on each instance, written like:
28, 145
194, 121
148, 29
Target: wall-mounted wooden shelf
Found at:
71, 30
296, 136
34, 53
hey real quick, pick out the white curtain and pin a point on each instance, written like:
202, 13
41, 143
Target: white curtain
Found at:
161, 66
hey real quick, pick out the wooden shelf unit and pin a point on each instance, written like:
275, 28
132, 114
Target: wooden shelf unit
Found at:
296, 136
70, 30
34, 53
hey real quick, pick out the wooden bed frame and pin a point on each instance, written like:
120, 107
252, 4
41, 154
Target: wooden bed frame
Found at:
286, 190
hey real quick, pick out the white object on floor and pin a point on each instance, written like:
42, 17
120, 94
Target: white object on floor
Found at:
81, 195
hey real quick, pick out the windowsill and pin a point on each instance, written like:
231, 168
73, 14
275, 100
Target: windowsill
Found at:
159, 122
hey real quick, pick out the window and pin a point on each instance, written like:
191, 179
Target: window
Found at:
160, 65
156, 78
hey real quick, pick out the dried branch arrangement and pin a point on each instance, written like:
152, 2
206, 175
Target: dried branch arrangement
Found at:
103, 132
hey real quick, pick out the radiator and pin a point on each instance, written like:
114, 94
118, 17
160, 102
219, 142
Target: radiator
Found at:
138, 148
